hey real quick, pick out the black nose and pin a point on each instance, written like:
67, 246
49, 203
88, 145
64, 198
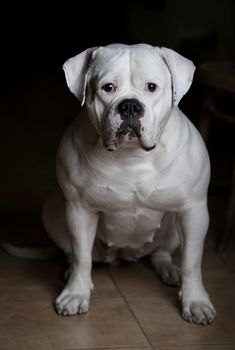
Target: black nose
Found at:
130, 108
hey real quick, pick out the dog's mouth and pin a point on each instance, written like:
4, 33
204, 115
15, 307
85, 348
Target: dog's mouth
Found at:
129, 137
147, 149
129, 131
113, 147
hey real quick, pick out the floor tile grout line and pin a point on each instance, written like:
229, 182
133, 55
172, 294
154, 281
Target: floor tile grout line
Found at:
111, 348
147, 347
129, 308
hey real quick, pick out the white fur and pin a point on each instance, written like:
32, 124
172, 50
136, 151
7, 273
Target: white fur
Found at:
129, 203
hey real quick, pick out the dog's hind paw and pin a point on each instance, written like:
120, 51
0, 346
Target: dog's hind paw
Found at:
169, 273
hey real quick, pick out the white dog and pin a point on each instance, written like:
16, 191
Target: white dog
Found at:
150, 193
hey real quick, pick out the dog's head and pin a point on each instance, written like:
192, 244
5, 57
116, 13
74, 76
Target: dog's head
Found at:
129, 91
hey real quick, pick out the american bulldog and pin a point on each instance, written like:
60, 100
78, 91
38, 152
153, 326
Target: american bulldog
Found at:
133, 174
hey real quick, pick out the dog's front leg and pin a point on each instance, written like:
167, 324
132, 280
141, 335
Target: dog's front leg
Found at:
196, 304
82, 224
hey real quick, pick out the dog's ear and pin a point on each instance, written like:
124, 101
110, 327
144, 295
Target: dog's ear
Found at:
181, 70
76, 71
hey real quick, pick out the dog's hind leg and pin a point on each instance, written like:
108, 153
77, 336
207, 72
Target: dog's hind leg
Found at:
161, 257
53, 217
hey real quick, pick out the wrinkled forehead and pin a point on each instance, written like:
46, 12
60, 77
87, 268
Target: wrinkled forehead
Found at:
144, 61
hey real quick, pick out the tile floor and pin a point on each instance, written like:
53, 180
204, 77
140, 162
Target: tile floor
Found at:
130, 309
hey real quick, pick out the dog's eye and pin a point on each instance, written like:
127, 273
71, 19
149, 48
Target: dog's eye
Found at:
151, 87
109, 87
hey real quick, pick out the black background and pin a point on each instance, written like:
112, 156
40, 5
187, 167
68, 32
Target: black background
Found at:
36, 37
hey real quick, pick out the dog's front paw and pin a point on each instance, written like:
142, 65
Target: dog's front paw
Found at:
69, 303
199, 311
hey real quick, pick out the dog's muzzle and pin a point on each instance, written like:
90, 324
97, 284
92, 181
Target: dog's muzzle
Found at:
130, 112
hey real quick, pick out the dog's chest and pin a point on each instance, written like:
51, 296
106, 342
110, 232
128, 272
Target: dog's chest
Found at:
120, 188
130, 203
138, 190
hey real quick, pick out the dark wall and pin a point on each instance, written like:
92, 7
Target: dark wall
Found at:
35, 34
36, 37
44, 33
